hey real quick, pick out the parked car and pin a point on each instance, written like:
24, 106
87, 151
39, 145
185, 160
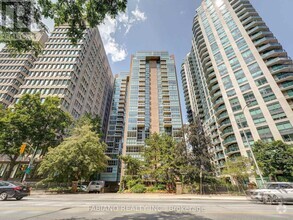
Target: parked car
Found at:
273, 192
81, 188
13, 190
96, 186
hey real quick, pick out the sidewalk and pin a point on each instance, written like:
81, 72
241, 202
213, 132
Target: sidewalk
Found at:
145, 196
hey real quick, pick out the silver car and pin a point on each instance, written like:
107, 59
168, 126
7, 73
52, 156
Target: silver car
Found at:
274, 192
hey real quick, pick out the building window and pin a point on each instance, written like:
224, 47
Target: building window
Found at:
257, 116
276, 111
255, 70
285, 127
240, 76
250, 99
248, 56
235, 104
265, 134
261, 81
267, 94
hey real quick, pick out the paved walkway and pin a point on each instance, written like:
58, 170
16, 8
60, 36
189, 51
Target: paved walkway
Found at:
153, 196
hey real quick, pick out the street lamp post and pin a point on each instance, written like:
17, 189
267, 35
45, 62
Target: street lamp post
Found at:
251, 151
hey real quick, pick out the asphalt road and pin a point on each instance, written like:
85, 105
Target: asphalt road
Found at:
117, 207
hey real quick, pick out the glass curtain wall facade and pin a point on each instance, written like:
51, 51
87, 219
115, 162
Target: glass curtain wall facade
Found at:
153, 103
248, 74
14, 68
79, 74
114, 136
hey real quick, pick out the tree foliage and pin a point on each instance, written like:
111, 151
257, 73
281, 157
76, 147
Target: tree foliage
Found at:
39, 124
199, 144
94, 121
78, 15
239, 169
78, 157
275, 159
160, 160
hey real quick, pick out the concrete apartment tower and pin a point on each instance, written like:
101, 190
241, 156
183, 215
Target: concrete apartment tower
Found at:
115, 132
14, 68
237, 79
79, 74
153, 103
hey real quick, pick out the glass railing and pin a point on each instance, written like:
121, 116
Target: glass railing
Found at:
229, 140
231, 149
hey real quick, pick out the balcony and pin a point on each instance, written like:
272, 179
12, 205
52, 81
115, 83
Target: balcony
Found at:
210, 76
222, 116
216, 95
220, 109
220, 156
265, 40
249, 19
274, 53
284, 77
226, 132
224, 124
254, 24
231, 150
246, 15
218, 102
260, 34
218, 148
214, 88
277, 60
231, 139
281, 68
269, 46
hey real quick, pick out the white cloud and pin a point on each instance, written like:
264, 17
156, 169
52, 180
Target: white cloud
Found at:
123, 22
138, 15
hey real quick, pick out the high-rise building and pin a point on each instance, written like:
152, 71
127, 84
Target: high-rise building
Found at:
238, 79
14, 68
153, 103
79, 74
115, 132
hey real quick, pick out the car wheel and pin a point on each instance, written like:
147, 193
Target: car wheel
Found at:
3, 196
19, 198
266, 199
276, 199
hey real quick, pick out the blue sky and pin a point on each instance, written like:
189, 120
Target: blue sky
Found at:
166, 25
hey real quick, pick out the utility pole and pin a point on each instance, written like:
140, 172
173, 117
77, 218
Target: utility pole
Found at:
252, 154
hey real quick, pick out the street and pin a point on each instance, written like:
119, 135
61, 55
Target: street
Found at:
138, 206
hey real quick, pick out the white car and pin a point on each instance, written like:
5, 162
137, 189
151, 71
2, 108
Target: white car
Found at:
274, 192
95, 186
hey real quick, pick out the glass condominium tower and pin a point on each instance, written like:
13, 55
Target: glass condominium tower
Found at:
153, 103
237, 79
115, 132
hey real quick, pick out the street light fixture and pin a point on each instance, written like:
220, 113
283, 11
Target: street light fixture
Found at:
251, 151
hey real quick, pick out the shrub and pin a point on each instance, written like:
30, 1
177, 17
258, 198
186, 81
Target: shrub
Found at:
138, 188
161, 187
131, 183
151, 189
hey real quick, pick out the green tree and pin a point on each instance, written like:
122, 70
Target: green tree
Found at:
239, 169
78, 15
78, 157
159, 158
95, 121
275, 159
200, 144
39, 124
